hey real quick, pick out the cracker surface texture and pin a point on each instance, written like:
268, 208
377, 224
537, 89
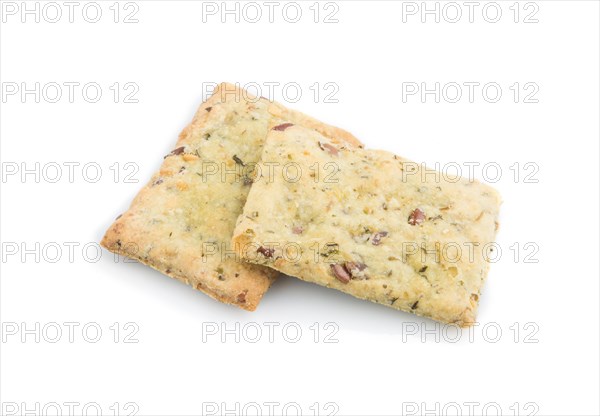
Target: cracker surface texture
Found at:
182, 221
371, 224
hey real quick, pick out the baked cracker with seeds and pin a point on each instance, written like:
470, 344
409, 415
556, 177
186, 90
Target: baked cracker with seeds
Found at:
182, 221
371, 224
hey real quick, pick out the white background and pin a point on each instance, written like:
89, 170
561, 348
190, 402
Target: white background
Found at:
381, 364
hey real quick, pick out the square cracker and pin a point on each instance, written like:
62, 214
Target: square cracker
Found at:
182, 221
371, 224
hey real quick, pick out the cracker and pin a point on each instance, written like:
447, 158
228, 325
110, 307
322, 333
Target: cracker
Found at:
182, 221
371, 224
